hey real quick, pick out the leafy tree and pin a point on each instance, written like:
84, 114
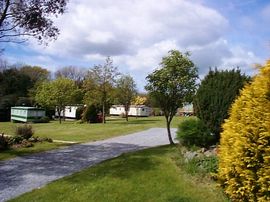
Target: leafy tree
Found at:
36, 73
13, 84
12, 81
244, 152
29, 18
57, 93
99, 85
215, 95
125, 92
71, 72
172, 84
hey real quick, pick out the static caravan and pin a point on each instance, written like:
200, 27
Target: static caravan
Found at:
186, 110
69, 112
135, 110
26, 114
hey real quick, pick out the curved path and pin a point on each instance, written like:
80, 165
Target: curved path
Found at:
24, 174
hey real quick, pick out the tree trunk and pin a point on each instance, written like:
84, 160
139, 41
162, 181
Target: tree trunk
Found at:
127, 115
103, 113
59, 114
168, 123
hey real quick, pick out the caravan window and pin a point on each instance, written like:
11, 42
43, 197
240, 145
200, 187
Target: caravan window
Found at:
142, 109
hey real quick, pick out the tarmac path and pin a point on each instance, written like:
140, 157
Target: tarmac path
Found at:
23, 174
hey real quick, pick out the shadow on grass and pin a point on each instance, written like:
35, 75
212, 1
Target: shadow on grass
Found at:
122, 167
135, 121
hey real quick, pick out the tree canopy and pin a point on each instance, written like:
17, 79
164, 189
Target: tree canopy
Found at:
57, 93
99, 85
125, 92
29, 18
172, 84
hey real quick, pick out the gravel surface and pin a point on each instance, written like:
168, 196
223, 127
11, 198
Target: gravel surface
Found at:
24, 174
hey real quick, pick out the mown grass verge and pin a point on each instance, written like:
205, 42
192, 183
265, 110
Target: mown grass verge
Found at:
149, 175
72, 131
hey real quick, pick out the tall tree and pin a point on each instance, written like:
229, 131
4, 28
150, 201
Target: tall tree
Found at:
99, 84
29, 18
215, 95
57, 93
36, 73
125, 92
172, 84
13, 84
71, 72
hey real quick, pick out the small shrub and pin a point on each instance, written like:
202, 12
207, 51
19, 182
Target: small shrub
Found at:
26, 144
79, 112
90, 114
15, 139
4, 142
199, 164
24, 131
202, 165
193, 132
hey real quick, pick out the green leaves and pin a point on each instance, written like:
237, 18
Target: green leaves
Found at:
172, 84
59, 92
215, 95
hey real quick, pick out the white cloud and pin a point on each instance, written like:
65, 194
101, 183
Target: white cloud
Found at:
124, 28
137, 34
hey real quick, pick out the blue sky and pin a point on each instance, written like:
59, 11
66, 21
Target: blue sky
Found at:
136, 34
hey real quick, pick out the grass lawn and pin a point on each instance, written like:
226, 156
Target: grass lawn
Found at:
39, 147
149, 175
72, 131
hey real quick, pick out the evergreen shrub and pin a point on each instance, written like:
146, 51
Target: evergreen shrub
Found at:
215, 95
244, 154
193, 132
25, 131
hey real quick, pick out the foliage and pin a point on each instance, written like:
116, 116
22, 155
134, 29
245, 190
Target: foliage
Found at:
140, 100
4, 142
200, 165
57, 93
71, 72
79, 112
244, 166
125, 92
91, 113
25, 131
157, 112
15, 87
172, 84
35, 73
215, 95
12, 81
192, 131
29, 18
17, 139
99, 85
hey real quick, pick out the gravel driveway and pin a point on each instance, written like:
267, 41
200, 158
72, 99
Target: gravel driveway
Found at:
24, 174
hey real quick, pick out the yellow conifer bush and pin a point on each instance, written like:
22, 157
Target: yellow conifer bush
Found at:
244, 154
